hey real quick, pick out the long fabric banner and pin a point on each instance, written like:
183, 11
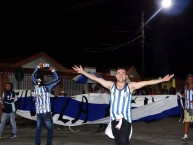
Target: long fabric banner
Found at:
93, 108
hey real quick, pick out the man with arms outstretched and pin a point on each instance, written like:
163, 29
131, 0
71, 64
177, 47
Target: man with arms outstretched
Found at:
120, 101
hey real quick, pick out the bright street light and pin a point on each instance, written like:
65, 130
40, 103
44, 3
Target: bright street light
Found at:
166, 3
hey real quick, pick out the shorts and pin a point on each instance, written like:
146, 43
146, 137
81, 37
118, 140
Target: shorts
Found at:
187, 117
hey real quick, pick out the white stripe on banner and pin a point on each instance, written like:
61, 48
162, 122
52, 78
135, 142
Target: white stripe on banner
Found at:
155, 108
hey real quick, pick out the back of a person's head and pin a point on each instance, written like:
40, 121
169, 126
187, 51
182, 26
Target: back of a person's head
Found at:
40, 77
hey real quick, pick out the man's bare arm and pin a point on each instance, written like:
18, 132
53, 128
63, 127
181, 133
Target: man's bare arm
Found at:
138, 85
80, 70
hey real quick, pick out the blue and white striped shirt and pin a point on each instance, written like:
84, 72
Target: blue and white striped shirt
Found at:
188, 98
120, 103
42, 99
42, 93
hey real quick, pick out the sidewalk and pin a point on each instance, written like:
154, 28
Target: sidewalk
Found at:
167, 131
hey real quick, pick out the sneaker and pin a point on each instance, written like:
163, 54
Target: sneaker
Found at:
12, 136
0, 136
185, 138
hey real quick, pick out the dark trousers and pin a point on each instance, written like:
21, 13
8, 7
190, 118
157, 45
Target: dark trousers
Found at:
45, 118
122, 135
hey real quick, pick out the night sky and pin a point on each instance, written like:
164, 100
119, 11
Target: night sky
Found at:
102, 34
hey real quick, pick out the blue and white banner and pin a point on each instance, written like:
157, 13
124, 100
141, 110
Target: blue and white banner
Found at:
93, 108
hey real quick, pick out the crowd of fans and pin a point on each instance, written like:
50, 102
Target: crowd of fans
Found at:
155, 90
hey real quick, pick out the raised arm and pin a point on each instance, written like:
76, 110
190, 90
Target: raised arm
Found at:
138, 85
80, 70
56, 79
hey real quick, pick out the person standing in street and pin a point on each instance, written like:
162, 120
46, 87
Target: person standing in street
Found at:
8, 104
42, 90
188, 105
120, 101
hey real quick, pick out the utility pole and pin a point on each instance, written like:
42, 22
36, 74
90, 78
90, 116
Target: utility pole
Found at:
143, 45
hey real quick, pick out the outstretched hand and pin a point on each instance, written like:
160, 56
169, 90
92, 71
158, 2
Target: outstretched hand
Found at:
167, 78
78, 69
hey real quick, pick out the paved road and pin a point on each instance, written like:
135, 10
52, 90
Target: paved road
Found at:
167, 131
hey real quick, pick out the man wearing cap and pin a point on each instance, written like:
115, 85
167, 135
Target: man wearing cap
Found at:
42, 101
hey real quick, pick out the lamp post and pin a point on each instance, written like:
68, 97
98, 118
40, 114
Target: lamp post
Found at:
164, 5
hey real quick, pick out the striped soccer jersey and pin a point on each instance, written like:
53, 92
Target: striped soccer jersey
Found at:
42, 99
120, 103
188, 98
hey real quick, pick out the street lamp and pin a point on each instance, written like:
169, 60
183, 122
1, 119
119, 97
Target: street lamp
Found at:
164, 5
